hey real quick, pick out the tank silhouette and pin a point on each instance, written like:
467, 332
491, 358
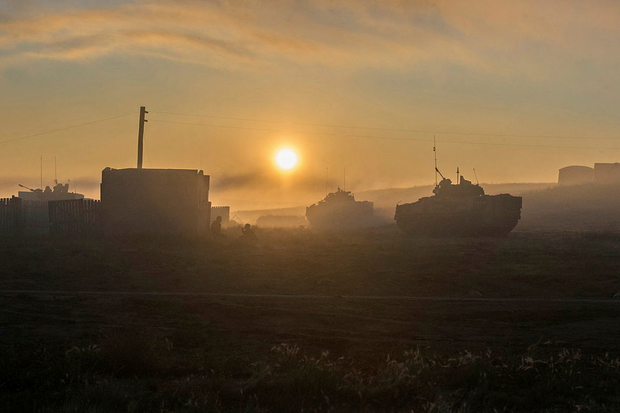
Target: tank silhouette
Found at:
461, 210
60, 192
340, 211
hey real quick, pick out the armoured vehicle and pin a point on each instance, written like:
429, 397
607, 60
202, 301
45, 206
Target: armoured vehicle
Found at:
59, 193
340, 211
459, 210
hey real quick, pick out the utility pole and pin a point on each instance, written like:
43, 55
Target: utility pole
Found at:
143, 112
435, 153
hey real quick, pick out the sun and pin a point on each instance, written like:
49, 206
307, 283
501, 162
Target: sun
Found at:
286, 159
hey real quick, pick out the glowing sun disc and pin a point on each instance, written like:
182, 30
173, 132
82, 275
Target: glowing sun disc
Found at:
286, 159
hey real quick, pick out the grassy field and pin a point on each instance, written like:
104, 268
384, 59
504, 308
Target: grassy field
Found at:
298, 321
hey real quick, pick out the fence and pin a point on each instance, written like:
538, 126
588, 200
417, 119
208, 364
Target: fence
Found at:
11, 217
75, 217
35, 216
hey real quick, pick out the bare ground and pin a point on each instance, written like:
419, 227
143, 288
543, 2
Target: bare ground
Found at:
360, 296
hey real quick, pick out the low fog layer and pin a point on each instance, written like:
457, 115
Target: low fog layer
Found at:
579, 207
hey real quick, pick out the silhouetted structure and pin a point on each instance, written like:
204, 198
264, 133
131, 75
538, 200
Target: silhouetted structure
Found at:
155, 201
602, 173
71, 217
459, 210
607, 173
575, 175
339, 211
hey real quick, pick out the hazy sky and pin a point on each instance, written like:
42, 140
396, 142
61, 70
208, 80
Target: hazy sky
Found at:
461, 69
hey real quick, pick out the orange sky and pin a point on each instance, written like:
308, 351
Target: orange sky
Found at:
491, 79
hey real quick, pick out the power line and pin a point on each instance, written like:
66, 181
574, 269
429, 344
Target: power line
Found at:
499, 135
301, 133
148, 155
65, 128
215, 126
388, 137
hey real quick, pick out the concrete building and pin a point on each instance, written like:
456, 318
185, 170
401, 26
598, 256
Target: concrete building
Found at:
575, 175
607, 173
155, 202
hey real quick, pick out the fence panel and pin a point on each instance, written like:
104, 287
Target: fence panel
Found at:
75, 217
36, 219
11, 217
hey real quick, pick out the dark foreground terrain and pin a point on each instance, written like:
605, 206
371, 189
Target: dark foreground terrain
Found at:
306, 322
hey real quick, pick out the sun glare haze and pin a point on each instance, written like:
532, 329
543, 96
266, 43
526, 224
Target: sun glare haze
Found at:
286, 159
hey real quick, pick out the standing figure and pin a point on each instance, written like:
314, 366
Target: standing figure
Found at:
248, 232
216, 227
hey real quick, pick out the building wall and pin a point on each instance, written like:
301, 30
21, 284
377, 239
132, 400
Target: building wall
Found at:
606, 173
576, 174
155, 201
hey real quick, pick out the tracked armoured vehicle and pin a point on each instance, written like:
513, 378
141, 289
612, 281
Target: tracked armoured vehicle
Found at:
461, 210
60, 192
340, 211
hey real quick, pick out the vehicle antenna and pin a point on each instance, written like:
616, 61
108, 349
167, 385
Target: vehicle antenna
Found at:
55, 172
344, 182
326, 174
440, 174
435, 152
41, 172
477, 183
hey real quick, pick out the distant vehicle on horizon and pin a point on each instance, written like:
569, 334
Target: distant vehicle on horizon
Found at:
340, 211
60, 192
